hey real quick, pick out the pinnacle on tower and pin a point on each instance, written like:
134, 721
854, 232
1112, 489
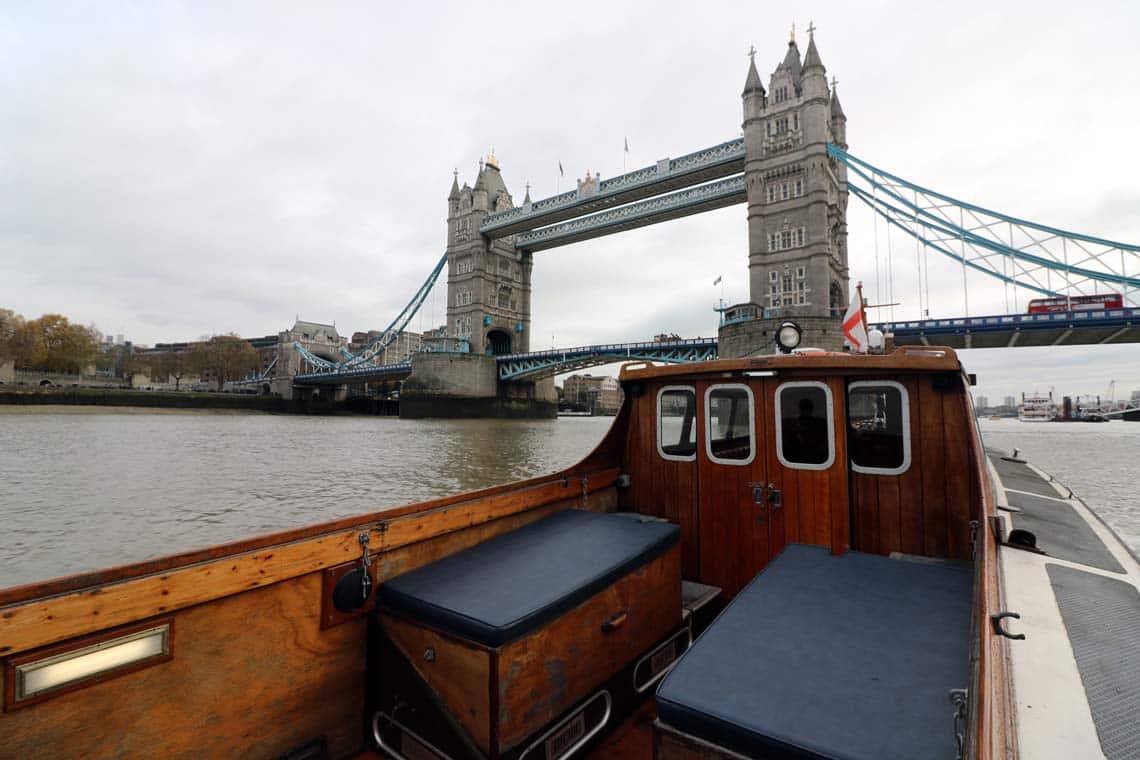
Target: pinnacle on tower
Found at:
753, 83
791, 62
836, 108
812, 59
454, 194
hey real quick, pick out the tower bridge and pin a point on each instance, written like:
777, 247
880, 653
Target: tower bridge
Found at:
792, 169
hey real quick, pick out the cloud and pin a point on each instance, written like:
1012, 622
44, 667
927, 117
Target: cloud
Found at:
169, 171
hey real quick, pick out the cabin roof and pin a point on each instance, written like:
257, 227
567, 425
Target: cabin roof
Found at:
904, 359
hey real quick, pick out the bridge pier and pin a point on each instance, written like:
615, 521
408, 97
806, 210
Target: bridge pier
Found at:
447, 384
757, 336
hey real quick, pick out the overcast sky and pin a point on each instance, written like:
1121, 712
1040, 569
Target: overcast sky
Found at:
172, 170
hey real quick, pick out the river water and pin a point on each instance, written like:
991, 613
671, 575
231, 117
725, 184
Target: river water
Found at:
83, 488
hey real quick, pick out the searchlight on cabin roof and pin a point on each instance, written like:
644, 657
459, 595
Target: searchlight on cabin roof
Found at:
788, 336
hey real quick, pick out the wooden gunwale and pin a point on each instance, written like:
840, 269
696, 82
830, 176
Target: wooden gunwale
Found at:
994, 734
46, 620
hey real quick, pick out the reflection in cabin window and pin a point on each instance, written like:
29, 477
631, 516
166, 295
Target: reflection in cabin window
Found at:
805, 434
731, 432
677, 423
878, 432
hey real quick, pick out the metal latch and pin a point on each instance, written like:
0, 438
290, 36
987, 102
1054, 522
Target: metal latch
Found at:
958, 698
775, 496
365, 574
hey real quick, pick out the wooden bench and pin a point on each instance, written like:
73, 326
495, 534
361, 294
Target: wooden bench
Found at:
825, 656
507, 636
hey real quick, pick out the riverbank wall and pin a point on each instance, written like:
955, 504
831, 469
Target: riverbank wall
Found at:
155, 399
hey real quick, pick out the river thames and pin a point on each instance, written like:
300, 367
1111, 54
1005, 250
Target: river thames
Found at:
83, 488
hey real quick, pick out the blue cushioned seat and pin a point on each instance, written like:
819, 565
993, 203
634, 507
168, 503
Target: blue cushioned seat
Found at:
827, 656
498, 590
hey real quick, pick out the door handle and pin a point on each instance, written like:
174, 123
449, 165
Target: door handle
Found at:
758, 500
775, 496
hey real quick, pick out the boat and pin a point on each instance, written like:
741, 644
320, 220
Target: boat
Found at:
1036, 408
809, 555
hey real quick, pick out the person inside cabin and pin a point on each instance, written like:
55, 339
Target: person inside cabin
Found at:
805, 434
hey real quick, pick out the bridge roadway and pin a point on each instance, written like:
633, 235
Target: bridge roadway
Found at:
1059, 328
538, 364
666, 175
1064, 328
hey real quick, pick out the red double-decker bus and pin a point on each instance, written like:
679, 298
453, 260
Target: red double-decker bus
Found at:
1076, 303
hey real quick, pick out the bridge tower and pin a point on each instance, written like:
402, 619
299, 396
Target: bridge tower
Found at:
488, 315
797, 205
488, 282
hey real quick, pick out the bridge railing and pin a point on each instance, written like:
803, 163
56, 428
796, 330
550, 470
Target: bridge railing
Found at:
349, 374
611, 348
999, 321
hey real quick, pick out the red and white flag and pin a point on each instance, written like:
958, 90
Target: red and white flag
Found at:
855, 325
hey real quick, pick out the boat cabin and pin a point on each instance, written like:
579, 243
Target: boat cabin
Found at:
779, 556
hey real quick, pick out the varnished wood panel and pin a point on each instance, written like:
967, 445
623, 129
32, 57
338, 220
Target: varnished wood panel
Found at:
932, 441
727, 514
904, 359
661, 487
911, 516
459, 673
671, 744
927, 509
955, 424
253, 676
543, 673
815, 502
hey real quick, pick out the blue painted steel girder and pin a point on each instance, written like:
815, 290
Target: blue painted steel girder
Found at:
694, 200
665, 176
542, 364
1062, 328
343, 377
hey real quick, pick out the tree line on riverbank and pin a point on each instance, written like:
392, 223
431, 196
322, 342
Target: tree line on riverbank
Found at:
53, 343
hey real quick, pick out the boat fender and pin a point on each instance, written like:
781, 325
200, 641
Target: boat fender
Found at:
349, 595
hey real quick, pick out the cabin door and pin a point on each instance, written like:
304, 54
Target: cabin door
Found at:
806, 462
733, 511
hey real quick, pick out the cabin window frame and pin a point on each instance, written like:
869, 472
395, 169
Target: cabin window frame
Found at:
779, 421
751, 424
660, 450
905, 396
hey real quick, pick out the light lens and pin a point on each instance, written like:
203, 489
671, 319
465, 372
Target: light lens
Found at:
59, 670
788, 336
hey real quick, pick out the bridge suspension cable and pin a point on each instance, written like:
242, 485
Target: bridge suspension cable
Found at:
1017, 252
375, 347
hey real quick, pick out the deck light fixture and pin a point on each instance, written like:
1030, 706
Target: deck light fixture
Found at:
788, 336
62, 666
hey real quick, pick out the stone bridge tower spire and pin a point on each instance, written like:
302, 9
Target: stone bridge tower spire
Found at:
488, 282
797, 203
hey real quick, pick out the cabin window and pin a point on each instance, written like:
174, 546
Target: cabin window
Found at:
730, 426
878, 427
677, 423
805, 426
